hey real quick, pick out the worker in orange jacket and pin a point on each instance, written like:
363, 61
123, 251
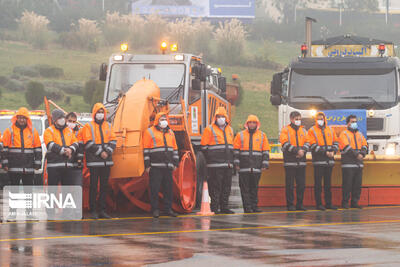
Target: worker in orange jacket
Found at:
161, 158
251, 148
72, 123
22, 153
62, 148
293, 139
324, 145
354, 148
99, 143
217, 146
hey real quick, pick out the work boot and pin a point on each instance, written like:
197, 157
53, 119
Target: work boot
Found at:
170, 213
12, 217
320, 207
356, 206
257, 210
345, 206
331, 207
156, 213
29, 216
104, 215
291, 208
94, 215
248, 211
227, 211
301, 208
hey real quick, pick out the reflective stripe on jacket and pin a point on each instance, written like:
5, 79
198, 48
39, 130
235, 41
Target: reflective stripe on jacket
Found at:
159, 148
98, 137
322, 140
351, 145
217, 145
251, 151
57, 139
293, 140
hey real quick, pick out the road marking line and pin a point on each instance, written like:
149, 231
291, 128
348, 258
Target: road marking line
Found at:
193, 215
201, 230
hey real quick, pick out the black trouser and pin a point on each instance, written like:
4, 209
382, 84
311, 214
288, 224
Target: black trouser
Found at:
64, 176
160, 177
351, 184
220, 182
325, 173
248, 183
299, 175
96, 174
27, 180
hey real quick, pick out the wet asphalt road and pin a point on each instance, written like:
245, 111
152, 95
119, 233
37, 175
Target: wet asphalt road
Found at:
274, 237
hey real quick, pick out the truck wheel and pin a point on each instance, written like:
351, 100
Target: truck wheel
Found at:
201, 169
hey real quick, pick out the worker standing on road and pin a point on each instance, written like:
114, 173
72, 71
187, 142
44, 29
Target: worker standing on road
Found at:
62, 147
72, 119
161, 158
251, 148
324, 145
293, 139
354, 148
99, 143
22, 153
217, 145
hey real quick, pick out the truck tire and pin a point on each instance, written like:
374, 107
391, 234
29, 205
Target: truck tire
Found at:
201, 169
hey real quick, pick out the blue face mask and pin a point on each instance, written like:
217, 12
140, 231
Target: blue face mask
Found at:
354, 126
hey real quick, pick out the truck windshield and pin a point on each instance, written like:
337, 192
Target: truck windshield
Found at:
168, 77
352, 89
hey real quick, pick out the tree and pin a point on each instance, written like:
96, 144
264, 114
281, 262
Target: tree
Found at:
287, 8
357, 5
34, 94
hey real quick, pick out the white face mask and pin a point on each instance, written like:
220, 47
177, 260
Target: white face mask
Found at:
221, 121
99, 116
163, 124
321, 122
297, 122
61, 122
71, 125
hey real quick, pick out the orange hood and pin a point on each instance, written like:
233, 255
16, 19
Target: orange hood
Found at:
323, 114
222, 112
252, 118
96, 108
158, 116
22, 112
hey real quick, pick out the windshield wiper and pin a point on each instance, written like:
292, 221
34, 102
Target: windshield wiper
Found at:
373, 101
318, 97
177, 91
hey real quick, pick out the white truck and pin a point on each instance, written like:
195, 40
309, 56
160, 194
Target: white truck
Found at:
345, 72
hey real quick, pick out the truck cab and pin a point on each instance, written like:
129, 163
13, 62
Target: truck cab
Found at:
178, 75
343, 82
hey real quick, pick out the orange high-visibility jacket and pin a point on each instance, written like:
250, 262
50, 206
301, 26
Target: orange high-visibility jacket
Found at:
98, 138
293, 139
251, 149
159, 146
56, 140
322, 139
352, 143
22, 152
217, 144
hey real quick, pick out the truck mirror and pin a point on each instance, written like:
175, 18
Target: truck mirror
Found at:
196, 84
203, 72
276, 84
276, 100
103, 72
222, 83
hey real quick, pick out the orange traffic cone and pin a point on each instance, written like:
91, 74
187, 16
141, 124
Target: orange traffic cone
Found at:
205, 202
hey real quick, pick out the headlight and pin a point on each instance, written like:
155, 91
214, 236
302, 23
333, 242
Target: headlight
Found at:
371, 113
390, 149
313, 112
